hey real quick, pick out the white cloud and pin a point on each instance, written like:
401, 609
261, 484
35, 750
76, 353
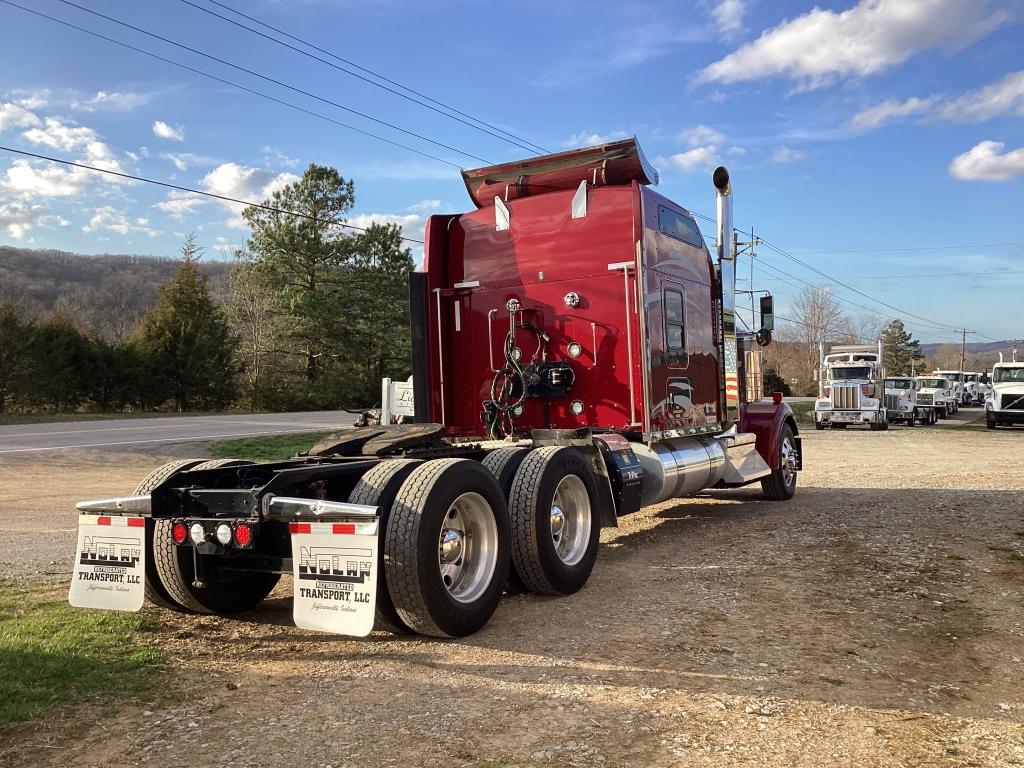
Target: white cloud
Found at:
986, 161
728, 16
109, 218
425, 206
112, 101
887, 111
178, 204
411, 224
31, 99
275, 157
26, 180
164, 131
16, 116
697, 159
18, 217
784, 155
585, 139
60, 135
1005, 97
872, 37
244, 183
702, 135
185, 160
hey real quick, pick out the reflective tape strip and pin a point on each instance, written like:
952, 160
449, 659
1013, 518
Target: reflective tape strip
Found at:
113, 521
341, 529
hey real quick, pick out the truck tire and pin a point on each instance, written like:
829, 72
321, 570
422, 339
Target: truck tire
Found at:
503, 464
839, 426
446, 548
819, 425
155, 592
780, 485
225, 594
555, 521
990, 423
378, 488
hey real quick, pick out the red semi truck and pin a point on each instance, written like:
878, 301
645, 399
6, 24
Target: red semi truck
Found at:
575, 359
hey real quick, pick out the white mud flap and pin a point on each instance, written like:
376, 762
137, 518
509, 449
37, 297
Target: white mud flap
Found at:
110, 563
335, 568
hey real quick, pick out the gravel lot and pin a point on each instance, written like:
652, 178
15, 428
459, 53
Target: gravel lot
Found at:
876, 619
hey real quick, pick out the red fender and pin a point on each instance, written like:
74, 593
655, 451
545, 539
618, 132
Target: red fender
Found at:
765, 419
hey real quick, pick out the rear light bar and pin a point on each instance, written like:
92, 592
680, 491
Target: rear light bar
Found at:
240, 533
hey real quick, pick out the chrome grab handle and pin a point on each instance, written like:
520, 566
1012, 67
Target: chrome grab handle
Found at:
440, 352
593, 336
625, 266
490, 340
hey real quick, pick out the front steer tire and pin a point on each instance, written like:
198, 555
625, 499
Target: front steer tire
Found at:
550, 477
780, 485
436, 495
225, 593
378, 488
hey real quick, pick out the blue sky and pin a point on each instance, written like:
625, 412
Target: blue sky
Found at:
848, 126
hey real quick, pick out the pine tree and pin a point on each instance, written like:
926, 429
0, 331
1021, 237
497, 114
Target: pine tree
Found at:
186, 343
900, 350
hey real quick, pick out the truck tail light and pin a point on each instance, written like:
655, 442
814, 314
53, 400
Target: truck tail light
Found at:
179, 533
243, 535
223, 534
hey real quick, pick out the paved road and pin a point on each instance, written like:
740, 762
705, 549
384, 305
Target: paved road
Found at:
26, 438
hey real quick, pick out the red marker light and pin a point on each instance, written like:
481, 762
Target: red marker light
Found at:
776, 397
243, 535
179, 533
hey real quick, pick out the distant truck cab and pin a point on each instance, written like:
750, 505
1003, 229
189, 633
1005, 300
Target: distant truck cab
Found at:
1004, 405
958, 384
902, 404
850, 388
939, 393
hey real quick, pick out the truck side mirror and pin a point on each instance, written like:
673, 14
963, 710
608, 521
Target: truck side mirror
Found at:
768, 313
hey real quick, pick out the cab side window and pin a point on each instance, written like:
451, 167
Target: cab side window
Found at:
675, 328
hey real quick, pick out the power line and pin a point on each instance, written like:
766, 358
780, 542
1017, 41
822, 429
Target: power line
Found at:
230, 83
269, 79
180, 188
422, 100
919, 248
937, 274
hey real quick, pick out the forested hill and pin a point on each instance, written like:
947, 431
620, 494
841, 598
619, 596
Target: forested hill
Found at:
41, 276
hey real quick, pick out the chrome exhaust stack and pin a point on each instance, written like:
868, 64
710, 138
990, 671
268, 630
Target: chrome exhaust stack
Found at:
727, 284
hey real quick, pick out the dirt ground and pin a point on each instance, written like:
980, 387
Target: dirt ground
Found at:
875, 620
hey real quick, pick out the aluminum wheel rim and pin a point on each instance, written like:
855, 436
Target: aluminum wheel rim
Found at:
467, 547
570, 519
788, 462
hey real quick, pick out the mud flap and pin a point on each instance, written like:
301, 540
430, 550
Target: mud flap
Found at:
110, 563
335, 569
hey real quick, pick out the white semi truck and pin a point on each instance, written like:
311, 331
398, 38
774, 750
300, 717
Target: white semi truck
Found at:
938, 392
958, 380
1005, 402
903, 403
850, 387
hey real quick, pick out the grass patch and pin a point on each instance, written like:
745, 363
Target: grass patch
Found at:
804, 413
266, 447
51, 653
833, 680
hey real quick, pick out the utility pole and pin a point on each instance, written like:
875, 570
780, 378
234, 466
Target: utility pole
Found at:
742, 247
963, 346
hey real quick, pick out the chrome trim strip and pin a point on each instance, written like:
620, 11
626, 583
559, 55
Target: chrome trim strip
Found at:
316, 510
490, 339
122, 505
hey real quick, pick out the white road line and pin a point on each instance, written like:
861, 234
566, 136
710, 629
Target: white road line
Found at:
160, 440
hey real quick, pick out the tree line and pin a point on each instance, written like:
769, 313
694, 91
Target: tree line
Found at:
314, 315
